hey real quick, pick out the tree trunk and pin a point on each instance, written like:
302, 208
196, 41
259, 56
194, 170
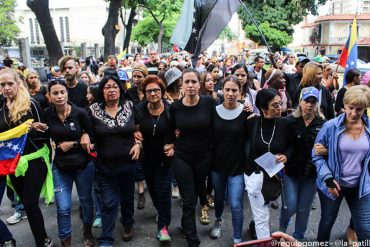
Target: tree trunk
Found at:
41, 10
109, 30
128, 26
160, 36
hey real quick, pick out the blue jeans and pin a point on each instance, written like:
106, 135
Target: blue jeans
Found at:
63, 184
139, 172
297, 196
96, 196
158, 179
360, 211
116, 185
5, 234
235, 187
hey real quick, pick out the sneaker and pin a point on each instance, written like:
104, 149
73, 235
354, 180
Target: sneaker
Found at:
175, 192
216, 229
10, 243
141, 201
16, 217
204, 218
97, 222
127, 233
48, 242
163, 235
210, 201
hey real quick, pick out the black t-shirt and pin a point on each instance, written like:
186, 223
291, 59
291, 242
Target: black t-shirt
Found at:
339, 105
76, 123
154, 139
77, 94
40, 96
114, 137
228, 140
300, 164
35, 139
292, 83
194, 124
281, 142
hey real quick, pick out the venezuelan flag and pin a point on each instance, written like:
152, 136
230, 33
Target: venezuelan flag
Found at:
121, 55
348, 58
12, 143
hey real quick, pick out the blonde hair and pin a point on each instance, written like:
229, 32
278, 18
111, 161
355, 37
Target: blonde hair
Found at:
22, 101
358, 96
298, 112
309, 73
91, 77
33, 72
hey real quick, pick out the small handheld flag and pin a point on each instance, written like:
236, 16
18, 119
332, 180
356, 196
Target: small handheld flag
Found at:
348, 58
12, 143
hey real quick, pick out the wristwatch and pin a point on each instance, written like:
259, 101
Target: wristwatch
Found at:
75, 144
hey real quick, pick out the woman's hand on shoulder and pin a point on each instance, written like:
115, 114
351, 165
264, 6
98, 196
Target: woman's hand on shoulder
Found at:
38, 126
248, 108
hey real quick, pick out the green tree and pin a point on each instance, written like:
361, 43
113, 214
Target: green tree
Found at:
274, 37
227, 34
164, 14
281, 15
8, 28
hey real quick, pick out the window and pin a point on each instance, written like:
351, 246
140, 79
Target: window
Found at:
31, 32
67, 29
37, 30
61, 29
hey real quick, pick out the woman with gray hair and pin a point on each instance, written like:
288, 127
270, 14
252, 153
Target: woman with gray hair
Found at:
300, 174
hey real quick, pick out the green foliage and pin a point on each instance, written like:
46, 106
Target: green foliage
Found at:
147, 31
8, 28
274, 37
227, 34
281, 15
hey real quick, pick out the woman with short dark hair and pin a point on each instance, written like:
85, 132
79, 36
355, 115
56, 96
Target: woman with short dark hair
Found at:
115, 121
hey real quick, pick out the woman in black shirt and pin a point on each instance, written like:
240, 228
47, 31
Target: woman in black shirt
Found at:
228, 156
36, 90
16, 108
154, 126
115, 121
67, 123
192, 150
267, 133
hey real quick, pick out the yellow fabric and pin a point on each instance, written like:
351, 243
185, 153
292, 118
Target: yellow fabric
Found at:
16, 132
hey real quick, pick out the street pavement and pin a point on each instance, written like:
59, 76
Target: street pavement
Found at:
145, 228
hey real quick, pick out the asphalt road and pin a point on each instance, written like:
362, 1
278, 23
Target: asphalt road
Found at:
145, 226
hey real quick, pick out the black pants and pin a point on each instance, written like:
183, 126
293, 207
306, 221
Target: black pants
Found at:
158, 179
28, 189
190, 177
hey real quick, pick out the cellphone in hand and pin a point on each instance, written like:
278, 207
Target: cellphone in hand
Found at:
268, 242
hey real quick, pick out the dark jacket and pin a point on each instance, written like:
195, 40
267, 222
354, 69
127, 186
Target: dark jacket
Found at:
300, 164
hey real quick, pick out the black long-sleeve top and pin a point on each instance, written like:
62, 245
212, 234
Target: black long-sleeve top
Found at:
76, 123
300, 164
114, 137
228, 141
339, 105
35, 139
281, 142
154, 141
194, 124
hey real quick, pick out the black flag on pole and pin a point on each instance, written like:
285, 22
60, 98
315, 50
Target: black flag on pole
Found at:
201, 22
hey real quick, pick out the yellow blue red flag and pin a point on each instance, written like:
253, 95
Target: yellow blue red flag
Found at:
12, 143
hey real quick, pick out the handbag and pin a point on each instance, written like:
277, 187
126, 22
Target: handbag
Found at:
271, 188
73, 161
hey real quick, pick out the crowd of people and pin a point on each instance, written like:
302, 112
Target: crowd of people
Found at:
210, 132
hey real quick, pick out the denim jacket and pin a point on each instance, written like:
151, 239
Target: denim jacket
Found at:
329, 166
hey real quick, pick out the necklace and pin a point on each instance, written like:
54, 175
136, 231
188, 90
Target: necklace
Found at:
272, 136
156, 121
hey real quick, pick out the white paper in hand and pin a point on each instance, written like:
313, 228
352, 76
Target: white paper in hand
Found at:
268, 162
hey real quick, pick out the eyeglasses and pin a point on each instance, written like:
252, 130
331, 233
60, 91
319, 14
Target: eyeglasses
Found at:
9, 84
154, 90
240, 75
277, 105
111, 87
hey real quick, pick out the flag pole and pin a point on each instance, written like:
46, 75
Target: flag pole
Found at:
255, 23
